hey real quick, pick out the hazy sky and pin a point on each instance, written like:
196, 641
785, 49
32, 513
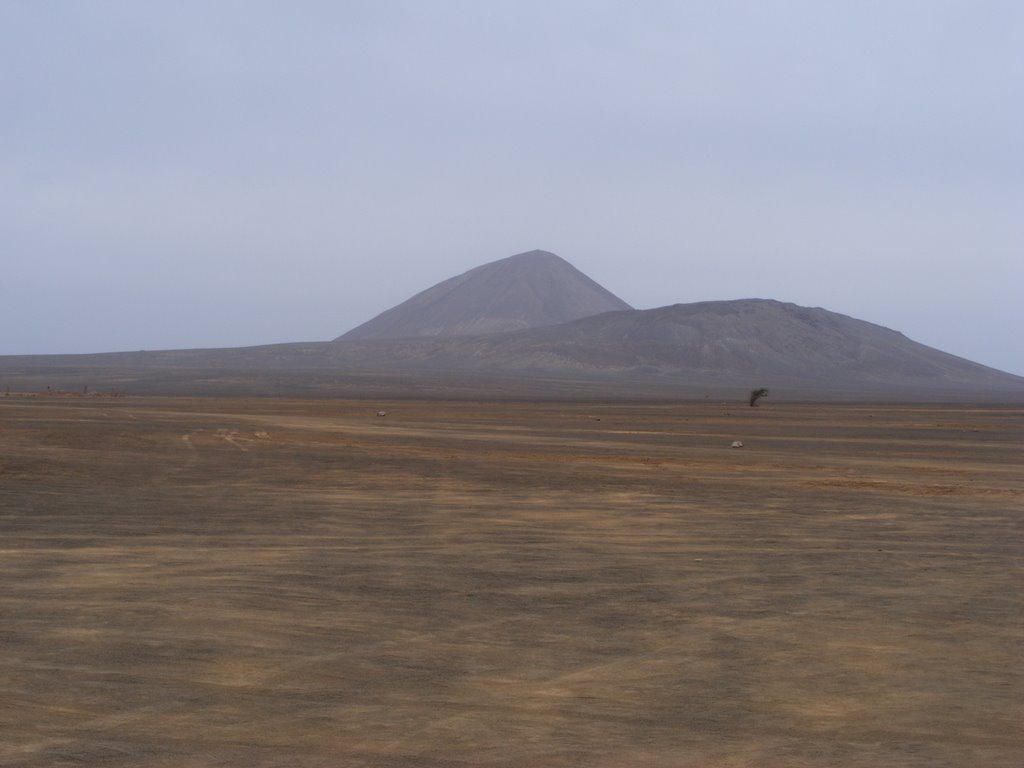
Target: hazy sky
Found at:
184, 174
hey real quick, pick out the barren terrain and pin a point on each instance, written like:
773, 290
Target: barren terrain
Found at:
270, 582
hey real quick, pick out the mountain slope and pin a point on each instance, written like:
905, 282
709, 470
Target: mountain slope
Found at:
527, 290
750, 341
707, 349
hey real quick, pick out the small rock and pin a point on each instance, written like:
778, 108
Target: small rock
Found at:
736, 444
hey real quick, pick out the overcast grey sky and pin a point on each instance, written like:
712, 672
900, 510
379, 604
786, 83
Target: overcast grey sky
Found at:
215, 173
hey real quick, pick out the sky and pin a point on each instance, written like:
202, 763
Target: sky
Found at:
235, 172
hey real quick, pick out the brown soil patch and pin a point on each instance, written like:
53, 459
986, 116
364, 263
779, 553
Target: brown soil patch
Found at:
191, 582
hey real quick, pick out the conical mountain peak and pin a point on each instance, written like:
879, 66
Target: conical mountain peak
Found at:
528, 290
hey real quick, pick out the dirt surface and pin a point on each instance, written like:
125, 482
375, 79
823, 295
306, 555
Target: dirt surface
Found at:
245, 582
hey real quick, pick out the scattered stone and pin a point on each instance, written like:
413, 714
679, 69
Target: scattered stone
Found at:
736, 444
382, 413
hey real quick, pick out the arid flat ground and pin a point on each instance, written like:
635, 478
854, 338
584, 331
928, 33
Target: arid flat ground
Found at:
246, 582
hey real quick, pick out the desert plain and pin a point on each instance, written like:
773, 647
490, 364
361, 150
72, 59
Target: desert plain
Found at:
285, 582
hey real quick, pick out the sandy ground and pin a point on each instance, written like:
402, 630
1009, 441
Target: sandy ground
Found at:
190, 582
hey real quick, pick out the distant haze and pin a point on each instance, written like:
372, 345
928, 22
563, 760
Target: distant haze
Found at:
198, 174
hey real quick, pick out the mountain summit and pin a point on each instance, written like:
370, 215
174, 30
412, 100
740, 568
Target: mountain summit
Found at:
528, 290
